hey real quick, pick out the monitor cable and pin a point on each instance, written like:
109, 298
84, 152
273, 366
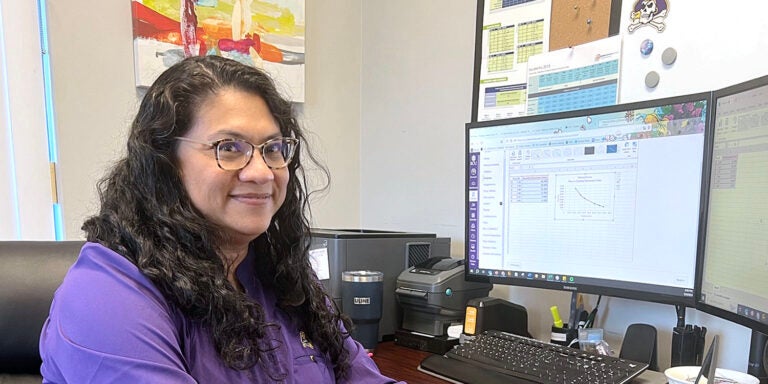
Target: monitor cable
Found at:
591, 318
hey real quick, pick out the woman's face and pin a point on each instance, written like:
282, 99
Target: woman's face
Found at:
241, 202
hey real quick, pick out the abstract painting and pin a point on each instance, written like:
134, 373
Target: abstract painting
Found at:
267, 34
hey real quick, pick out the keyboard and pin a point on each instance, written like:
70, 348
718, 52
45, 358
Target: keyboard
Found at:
500, 357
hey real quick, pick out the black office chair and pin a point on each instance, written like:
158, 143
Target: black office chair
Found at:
30, 272
640, 345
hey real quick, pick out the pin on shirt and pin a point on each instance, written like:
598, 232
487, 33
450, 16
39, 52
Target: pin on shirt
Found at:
304, 341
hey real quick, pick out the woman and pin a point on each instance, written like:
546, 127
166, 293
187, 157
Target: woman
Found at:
196, 265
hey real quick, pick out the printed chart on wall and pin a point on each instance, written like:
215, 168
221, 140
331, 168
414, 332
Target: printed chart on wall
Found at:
512, 31
584, 76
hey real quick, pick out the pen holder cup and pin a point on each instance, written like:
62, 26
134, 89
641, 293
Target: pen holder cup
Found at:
590, 339
563, 336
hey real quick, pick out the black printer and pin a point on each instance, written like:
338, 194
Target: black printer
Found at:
433, 294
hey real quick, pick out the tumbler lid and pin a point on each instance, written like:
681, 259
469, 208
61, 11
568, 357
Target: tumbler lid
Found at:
362, 276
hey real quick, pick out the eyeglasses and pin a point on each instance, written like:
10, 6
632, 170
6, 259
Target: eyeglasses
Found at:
236, 154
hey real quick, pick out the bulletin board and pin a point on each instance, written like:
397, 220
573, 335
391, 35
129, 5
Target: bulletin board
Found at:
575, 22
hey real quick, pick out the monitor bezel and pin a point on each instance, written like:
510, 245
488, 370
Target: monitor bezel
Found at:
700, 305
628, 293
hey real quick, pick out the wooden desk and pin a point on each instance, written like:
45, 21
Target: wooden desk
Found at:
400, 364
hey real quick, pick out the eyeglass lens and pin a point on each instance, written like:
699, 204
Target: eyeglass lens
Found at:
235, 154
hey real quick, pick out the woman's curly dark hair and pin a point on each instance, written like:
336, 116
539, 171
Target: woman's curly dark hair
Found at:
147, 216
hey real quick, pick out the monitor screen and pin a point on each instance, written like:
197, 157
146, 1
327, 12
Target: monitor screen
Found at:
734, 273
603, 201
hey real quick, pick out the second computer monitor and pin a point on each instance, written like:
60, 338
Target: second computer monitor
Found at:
600, 201
735, 247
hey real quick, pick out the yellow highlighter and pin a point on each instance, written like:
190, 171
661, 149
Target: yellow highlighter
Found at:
556, 316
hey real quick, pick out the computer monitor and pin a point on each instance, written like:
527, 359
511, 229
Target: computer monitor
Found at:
602, 201
734, 271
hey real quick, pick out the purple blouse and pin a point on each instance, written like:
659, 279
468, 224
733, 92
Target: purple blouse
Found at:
109, 324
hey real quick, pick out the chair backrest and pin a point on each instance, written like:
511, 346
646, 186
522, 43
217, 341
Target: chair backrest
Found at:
30, 272
640, 345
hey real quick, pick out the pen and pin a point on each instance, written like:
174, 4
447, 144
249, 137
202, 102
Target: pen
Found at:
556, 316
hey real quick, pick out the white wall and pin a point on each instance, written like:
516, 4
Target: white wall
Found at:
418, 59
332, 107
8, 205
26, 198
93, 86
